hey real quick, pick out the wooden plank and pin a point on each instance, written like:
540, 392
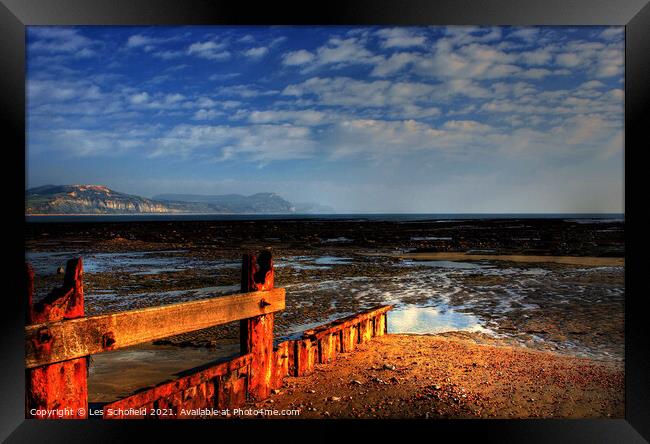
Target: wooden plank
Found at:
350, 338
59, 388
280, 364
306, 356
232, 389
340, 324
380, 325
91, 335
328, 347
366, 328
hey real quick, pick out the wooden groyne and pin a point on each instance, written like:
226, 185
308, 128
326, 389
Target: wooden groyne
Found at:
59, 339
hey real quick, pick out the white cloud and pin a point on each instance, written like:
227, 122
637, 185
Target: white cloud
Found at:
592, 84
207, 114
79, 142
400, 38
302, 117
345, 91
336, 53
596, 58
465, 125
40, 91
537, 57
613, 33
139, 99
168, 54
460, 35
256, 143
526, 34
224, 76
536, 73
382, 139
62, 40
299, 57
256, 53
210, 50
569, 60
139, 40
393, 64
245, 91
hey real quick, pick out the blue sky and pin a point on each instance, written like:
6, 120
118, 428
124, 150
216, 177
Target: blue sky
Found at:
365, 119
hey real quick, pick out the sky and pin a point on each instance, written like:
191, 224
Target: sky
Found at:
452, 119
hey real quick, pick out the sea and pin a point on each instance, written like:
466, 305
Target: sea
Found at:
389, 217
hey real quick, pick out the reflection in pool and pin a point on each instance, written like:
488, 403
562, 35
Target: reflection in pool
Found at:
415, 319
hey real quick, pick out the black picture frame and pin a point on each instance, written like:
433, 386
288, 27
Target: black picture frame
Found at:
634, 14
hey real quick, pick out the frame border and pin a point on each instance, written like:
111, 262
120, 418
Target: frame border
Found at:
634, 14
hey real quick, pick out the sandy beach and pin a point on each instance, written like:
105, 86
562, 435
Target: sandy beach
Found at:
454, 376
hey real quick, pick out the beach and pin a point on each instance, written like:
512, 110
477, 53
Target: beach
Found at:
549, 286
447, 377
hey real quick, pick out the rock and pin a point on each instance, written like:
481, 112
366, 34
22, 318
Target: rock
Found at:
311, 391
356, 382
389, 367
335, 398
276, 391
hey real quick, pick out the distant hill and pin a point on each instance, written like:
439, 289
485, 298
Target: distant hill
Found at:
88, 199
234, 203
313, 208
98, 199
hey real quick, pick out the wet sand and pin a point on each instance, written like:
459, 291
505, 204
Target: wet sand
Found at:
589, 261
410, 376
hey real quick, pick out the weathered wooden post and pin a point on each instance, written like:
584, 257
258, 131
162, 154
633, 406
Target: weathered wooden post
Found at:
256, 334
59, 390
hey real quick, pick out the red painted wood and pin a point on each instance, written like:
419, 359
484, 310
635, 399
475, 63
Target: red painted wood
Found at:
57, 391
222, 385
256, 334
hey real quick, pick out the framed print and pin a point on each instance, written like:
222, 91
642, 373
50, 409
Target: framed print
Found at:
367, 214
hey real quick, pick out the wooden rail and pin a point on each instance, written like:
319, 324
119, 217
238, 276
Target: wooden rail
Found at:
47, 343
58, 340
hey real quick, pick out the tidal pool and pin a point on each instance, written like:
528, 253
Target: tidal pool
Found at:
421, 320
